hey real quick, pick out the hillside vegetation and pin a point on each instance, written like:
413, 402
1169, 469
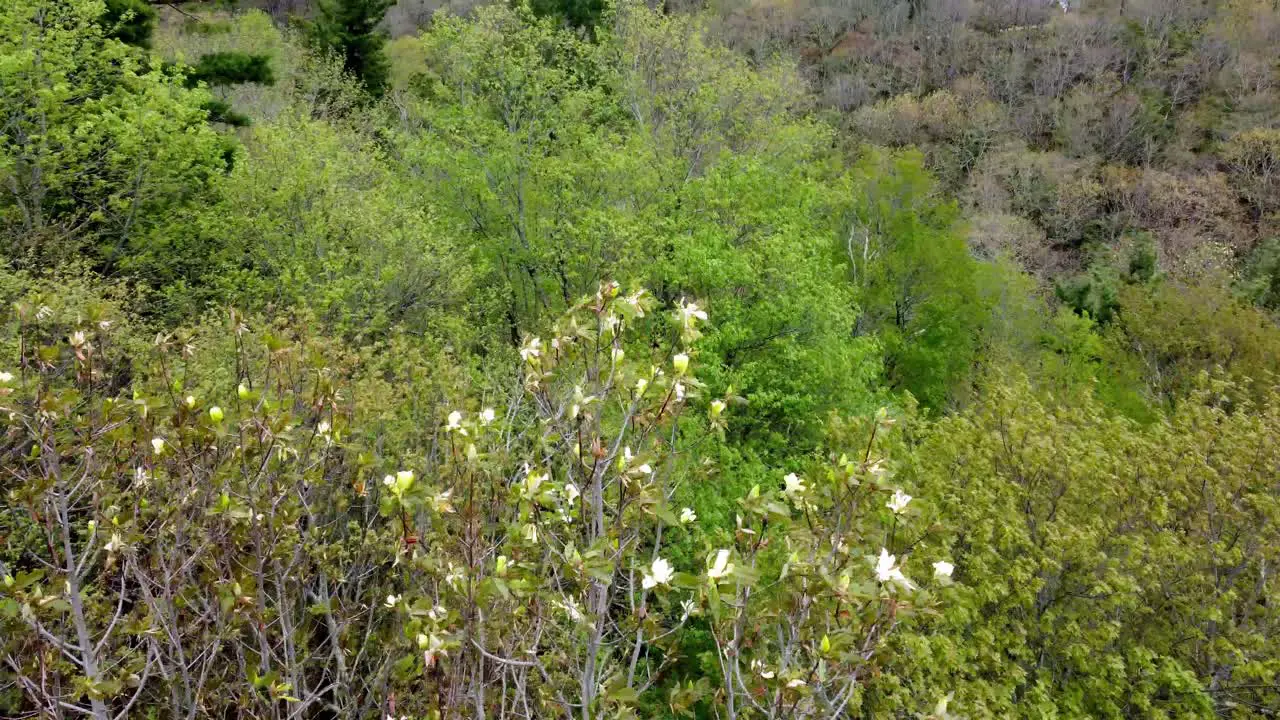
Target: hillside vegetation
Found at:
588, 360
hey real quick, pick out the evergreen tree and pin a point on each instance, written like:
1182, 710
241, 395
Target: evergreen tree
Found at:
231, 68
130, 21
577, 13
350, 29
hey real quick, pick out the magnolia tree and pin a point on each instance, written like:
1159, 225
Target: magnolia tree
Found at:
222, 543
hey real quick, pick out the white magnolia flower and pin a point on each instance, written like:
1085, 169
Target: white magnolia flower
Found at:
215, 414
404, 480
432, 647
898, 502
486, 416
391, 600
721, 567
660, 573
761, 669
442, 502
533, 482
115, 544
571, 492
633, 300
324, 427
77, 338
717, 407
795, 485
438, 613
389, 480
617, 354
6, 377
532, 349
645, 469
157, 444
679, 388
888, 573
190, 400
689, 313
943, 569
531, 533
796, 683
687, 515
641, 384
454, 576
455, 423
681, 363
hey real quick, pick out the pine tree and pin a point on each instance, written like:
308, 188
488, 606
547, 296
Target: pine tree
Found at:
349, 28
232, 68
130, 21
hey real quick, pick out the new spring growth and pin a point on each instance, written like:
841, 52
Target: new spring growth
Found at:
399, 483
681, 363
717, 408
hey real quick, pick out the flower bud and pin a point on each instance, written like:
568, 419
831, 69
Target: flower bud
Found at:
681, 363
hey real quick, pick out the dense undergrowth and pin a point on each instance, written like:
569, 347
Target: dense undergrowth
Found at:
905, 361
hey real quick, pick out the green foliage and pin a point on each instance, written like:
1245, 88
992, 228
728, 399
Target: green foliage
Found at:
130, 21
317, 219
1093, 294
220, 111
439, 463
1105, 569
67, 93
1261, 280
229, 68
349, 29
917, 281
1180, 330
1096, 292
576, 13
570, 166
207, 494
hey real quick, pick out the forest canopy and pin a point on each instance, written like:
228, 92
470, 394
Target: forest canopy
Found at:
814, 359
